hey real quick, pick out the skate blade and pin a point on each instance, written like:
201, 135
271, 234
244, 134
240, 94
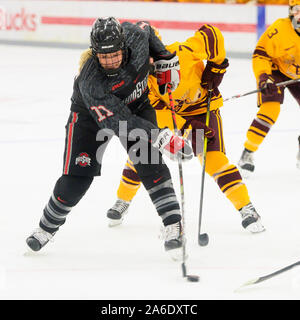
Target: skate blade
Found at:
256, 227
113, 222
246, 174
30, 253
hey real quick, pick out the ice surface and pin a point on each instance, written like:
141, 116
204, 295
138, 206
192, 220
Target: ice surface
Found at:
88, 260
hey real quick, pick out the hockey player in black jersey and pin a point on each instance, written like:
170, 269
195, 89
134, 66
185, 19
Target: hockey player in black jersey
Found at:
110, 89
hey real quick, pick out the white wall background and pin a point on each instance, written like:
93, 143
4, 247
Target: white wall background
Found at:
23, 20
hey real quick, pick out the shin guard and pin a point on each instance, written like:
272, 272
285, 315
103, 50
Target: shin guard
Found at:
228, 178
261, 125
130, 182
67, 193
157, 181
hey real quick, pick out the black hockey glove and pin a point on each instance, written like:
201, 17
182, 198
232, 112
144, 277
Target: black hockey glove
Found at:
167, 71
173, 146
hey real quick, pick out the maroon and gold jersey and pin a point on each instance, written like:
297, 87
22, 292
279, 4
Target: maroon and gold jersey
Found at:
278, 49
190, 98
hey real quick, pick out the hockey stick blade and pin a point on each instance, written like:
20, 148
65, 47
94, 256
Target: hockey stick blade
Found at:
268, 276
190, 278
203, 239
193, 278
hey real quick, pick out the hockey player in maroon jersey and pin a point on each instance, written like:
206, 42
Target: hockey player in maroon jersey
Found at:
275, 59
190, 100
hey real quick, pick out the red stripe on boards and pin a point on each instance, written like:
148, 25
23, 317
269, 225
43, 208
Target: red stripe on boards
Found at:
173, 25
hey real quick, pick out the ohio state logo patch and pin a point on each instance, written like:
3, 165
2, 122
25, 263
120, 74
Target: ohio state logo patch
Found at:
83, 160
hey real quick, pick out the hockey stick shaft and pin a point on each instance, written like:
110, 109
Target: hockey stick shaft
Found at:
271, 275
280, 84
203, 239
181, 182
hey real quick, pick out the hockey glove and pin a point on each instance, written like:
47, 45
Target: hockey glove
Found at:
209, 133
167, 71
266, 85
194, 125
213, 74
173, 146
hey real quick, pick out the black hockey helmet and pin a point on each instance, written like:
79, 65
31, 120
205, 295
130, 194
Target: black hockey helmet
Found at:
107, 36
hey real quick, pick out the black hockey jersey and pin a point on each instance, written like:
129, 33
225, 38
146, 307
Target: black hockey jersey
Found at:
110, 99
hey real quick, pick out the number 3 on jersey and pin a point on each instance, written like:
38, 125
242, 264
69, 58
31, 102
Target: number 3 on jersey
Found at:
272, 34
101, 116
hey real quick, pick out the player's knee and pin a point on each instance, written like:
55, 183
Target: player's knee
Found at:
215, 161
70, 189
153, 174
269, 112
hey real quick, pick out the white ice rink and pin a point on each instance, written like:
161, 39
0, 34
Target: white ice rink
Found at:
88, 260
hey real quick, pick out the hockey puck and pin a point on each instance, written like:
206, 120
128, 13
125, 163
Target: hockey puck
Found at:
192, 278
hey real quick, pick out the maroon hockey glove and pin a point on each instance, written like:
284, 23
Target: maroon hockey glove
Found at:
173, 146
266, 84
213, 74
167, 71
193, 136
197, 124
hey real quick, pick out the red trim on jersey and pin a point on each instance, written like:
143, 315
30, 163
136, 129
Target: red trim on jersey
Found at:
69, 142
173, 25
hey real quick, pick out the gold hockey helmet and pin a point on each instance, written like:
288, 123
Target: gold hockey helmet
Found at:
294, 3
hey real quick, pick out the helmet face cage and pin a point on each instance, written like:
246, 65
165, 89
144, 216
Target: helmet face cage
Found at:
107, 36
294, 14
294, 3
111, 62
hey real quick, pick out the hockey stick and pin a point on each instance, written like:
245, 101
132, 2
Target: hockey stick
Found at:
280, 84
191, 278
268, 276
203, 238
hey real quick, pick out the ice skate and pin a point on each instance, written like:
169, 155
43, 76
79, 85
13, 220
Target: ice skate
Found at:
172, 234
251, 219
116, 214
246, 164
38, 239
